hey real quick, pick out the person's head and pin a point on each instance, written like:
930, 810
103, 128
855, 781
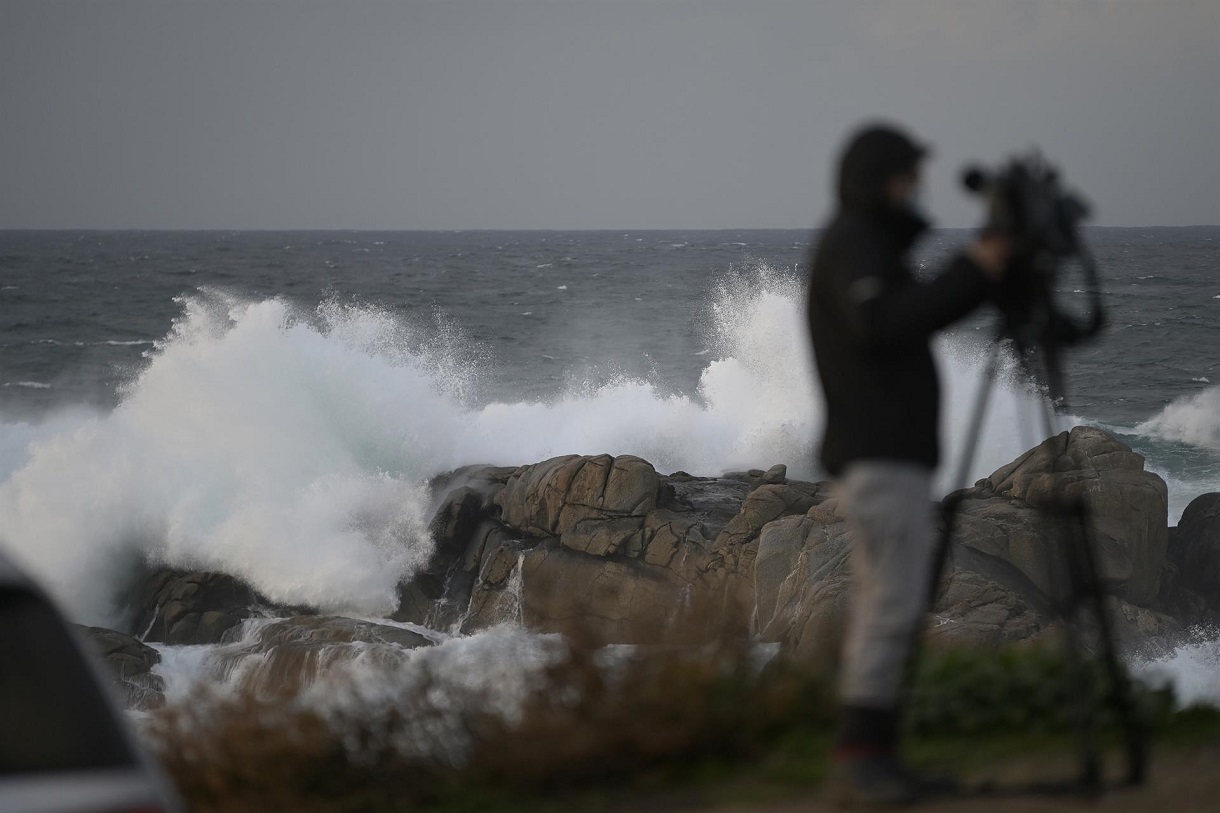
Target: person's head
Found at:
880, 167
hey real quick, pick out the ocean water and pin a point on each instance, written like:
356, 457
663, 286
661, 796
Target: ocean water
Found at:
269, 404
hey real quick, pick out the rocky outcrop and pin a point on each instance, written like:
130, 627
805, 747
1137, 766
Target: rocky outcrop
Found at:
1004, 515
607, 548
610, 547
561, 494
127, 663
802, 581
1005, 571
1194, 552
177, 607
439, 594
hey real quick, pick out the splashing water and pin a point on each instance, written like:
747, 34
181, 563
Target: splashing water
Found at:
290, 448
1192, 669
254, 443
437, 690
1192, 419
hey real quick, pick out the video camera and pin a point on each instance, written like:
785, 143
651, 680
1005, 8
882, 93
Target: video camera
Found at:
1026, 202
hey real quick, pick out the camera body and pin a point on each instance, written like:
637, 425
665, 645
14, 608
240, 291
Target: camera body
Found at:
1026, 202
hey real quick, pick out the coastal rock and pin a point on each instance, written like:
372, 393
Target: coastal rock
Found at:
765, 504
606, 547
128, 664
614, 601
549, 587
803, 577
464, 501
549, 498
1002, 516
1195, 550
1001, 577
801, 581
177, 607
973, 610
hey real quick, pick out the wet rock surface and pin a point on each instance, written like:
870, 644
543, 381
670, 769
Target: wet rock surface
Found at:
179, 607
127, 664
1194, 551
607, 548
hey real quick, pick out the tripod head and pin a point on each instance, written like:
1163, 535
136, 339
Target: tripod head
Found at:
1026, 202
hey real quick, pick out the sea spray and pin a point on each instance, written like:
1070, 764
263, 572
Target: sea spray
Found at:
1192, 668
1182, 445
1192, 419
289, 448
254, 442
429, 695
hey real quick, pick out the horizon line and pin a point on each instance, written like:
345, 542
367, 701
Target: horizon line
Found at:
534, 229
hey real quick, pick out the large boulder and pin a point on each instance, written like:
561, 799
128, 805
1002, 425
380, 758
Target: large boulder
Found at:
607, 548
801, 582
460, 527
179, 607
1004, 515
803, 578
127, 664
555, 496
551, 588
1001, 581
1195, 550
647, 594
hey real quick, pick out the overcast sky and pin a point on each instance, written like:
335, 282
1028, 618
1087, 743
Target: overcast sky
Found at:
566, 114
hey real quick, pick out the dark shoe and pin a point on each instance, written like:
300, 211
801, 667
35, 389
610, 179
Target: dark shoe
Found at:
882, 780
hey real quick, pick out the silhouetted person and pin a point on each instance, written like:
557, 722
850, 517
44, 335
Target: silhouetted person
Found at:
872, 322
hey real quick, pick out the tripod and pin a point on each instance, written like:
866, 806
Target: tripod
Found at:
1081, 596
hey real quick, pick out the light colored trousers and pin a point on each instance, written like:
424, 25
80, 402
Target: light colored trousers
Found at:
886, 503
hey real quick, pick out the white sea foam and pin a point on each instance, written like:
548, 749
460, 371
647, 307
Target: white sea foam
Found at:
492, 671
1192, 419
256, 443
1192, 669
288, 449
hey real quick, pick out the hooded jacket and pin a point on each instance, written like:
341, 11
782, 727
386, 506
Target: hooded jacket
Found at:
871, 321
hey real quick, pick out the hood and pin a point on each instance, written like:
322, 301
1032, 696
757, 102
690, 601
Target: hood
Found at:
872, 157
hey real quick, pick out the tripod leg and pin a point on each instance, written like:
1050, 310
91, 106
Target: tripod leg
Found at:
950, 506
1077, 590
986, 384
1119, 694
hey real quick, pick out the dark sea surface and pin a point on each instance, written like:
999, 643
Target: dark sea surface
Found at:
545, 312
79, 309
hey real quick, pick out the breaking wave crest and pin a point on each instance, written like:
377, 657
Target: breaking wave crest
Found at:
290, 448
1192, 419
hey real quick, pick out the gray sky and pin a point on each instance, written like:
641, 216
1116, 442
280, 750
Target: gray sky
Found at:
585, 113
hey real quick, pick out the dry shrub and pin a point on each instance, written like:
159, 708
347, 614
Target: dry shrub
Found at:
662, 708
245, 754
645, 710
